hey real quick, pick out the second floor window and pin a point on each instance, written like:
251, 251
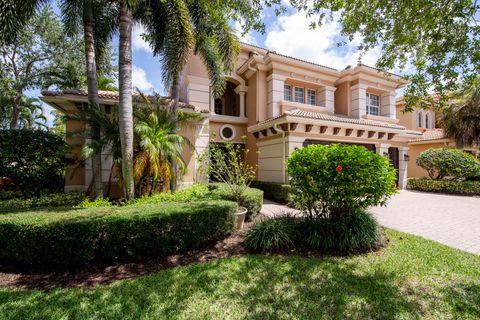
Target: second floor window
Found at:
287, 92
373, 104
312, 97
218, 106
299, 95
420, 120
427, 121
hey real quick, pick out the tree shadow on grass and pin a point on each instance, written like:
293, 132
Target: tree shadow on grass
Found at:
253, 287
464, 299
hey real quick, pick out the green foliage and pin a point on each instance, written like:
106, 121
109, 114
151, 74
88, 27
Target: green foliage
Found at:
253, 199
274, 191
332, 180
356, 230
450, 51
349, 232
444, 186
461, 117
160, 144
32, 161
65, 200
55, 238
30, 113
447, 163
227, 163
273, 234
41, 55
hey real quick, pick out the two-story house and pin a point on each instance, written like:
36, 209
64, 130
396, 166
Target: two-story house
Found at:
274, 104
433, 136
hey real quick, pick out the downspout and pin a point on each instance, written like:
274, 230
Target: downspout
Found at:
284, 176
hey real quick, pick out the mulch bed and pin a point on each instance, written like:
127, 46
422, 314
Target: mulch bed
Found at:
97, 274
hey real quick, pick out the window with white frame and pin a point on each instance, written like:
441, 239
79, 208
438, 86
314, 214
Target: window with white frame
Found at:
312, 97
427, 121
373, 104
420, 119
287, 92
299, 95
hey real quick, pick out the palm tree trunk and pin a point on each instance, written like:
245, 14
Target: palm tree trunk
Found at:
125, 107
93, 99
176, 103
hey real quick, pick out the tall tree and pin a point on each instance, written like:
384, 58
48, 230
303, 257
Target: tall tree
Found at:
125, 96
439, 39
30, 116
98, 25
33, 58
461, 118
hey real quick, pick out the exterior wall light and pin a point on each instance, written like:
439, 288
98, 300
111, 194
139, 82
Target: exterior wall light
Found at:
386, 154
406, 157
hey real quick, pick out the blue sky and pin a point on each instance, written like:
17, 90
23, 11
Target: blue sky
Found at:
287, 34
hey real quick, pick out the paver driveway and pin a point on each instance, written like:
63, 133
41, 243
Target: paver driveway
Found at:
451, 220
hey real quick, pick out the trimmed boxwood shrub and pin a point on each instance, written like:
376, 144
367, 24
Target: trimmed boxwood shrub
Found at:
352, 231
444, 186
70, 199
253, 200
274, 191
73, 237
450, 163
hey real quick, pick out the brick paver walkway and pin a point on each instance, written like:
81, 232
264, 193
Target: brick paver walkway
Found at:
451, 220
448, 219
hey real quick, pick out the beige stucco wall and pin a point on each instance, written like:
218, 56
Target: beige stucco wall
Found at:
75, 174
342, 98
415, 149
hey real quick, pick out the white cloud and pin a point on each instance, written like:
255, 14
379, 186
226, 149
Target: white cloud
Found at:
137, 41
247, 38
139, 79
291, 35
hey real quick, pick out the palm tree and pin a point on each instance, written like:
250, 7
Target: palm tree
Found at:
160, 146
109, 139
461, 118
30, 116
191, 26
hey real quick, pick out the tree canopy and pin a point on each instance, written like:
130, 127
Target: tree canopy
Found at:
436, 42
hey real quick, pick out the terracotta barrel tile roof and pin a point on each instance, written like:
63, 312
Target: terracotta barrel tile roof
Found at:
434, 134
114, 95
335, 118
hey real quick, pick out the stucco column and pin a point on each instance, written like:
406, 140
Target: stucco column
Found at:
202, 140
388, 107
359, 100
292, 143
402, 167
326, 98
241, 91
382, 149
275, 87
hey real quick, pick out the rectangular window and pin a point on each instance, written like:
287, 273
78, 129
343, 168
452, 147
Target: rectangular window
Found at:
287, 92
299, 95
312, 97
373, 104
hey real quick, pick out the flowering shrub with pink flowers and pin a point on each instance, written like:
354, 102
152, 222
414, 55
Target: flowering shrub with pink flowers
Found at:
330, 180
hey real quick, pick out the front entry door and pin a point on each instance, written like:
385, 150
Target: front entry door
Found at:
394, 159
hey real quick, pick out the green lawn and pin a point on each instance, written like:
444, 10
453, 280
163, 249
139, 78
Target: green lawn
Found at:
412, 278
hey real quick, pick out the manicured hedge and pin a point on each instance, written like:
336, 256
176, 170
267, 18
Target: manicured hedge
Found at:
253, 200
444, 186
73, 237
215, 191
70, 199
274, 191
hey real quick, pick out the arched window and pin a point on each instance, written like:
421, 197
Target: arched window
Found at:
420, 119
427, 121
218, 106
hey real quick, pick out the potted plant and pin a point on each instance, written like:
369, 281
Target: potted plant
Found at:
227, 163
